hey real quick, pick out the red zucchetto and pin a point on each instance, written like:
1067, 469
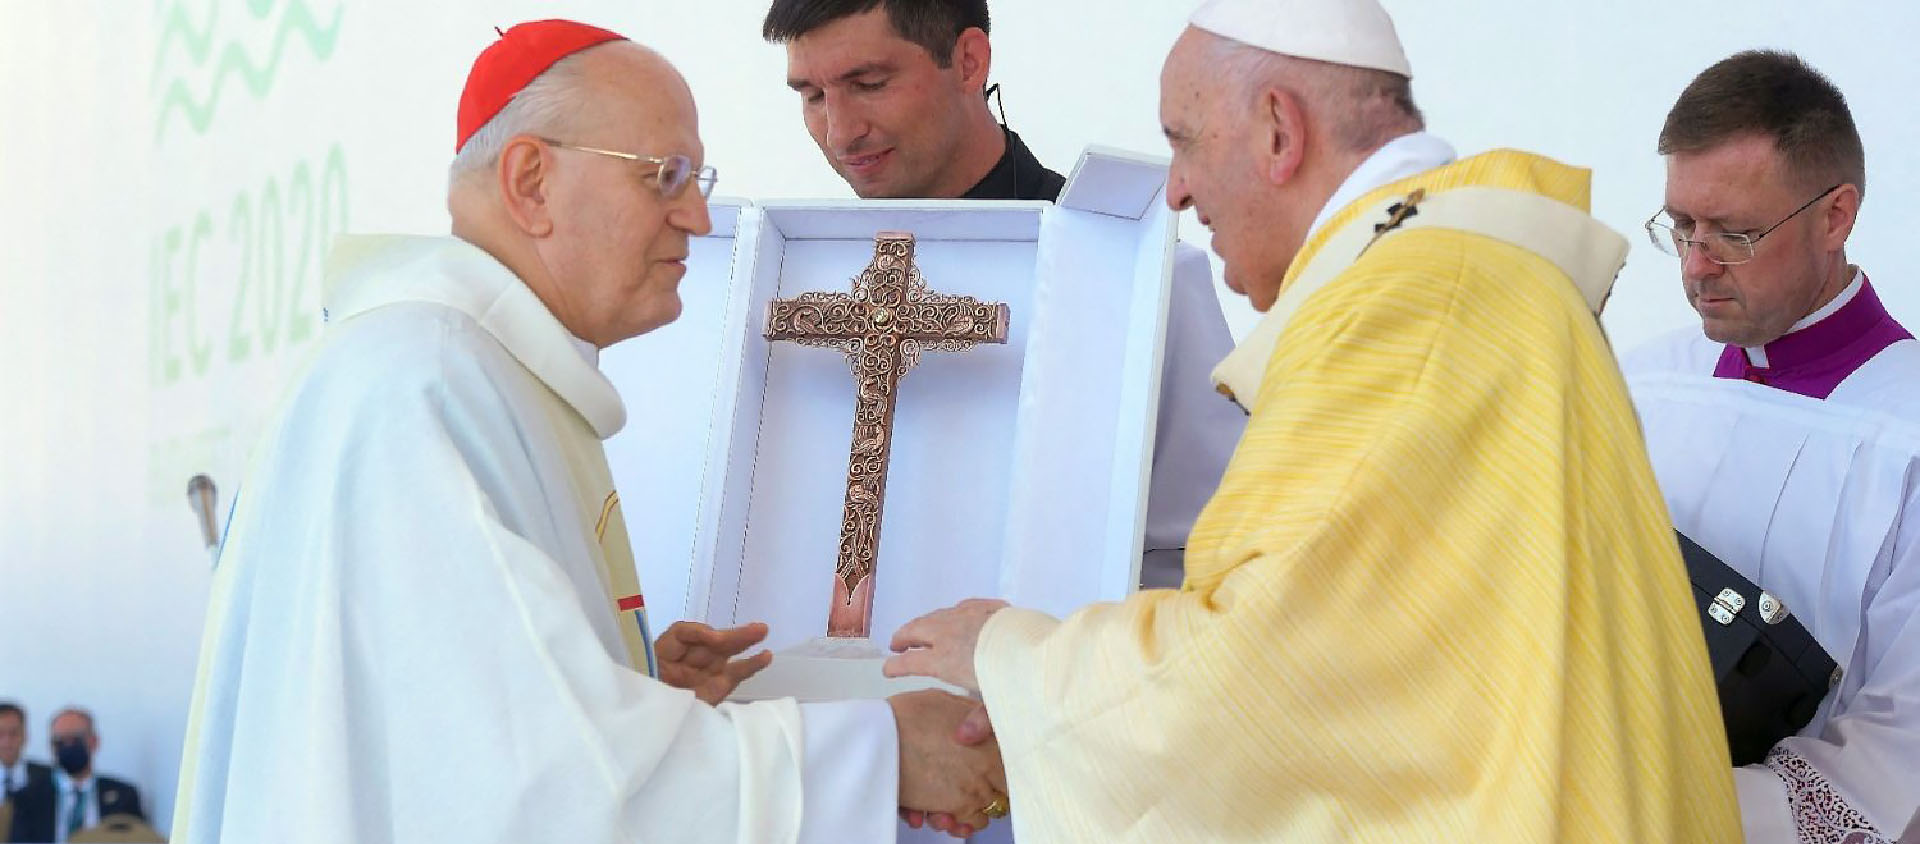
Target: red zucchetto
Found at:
507, 65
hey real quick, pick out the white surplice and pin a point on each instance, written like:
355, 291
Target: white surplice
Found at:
1818, 502
417, 630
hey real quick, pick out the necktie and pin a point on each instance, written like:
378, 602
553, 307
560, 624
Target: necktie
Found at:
77, 816
9, 781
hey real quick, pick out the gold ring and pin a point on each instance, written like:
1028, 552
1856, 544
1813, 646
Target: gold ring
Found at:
997, 809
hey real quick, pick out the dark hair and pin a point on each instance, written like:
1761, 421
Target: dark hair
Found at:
933, 24
1777, 96
8, 707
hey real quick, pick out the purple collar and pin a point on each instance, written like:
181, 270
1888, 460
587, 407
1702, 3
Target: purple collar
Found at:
1814, 360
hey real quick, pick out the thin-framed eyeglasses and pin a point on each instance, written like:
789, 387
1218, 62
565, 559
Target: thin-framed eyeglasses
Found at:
1724, 248
674, 174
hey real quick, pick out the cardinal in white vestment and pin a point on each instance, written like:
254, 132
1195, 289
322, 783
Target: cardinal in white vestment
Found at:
1785, 430
425, 623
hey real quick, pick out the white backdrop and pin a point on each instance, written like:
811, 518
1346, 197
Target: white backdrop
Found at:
169, 171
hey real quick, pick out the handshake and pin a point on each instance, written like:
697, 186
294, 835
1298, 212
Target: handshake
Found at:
950, 734
950, 769
950, 772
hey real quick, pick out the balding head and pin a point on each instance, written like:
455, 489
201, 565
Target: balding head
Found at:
1262, 140
72, 722
74, 741
592, 234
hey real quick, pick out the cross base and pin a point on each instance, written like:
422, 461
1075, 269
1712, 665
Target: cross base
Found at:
830, 669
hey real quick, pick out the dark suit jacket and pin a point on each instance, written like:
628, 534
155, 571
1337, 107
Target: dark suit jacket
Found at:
37, 775
35, 805
39, 783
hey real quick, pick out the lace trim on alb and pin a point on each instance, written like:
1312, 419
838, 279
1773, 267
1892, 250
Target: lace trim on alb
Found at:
1820, 814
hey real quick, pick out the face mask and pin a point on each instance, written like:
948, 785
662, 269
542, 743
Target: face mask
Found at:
72, 756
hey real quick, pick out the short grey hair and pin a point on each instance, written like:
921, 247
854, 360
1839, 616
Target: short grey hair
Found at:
552, 104
1368, 107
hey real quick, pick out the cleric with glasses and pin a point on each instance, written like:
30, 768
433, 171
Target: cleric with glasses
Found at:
671, 173
1785, 432
1675, 235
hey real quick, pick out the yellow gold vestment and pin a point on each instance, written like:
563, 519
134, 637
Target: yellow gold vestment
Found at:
1435, 598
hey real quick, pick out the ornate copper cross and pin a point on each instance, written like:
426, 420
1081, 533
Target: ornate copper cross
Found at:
882, 327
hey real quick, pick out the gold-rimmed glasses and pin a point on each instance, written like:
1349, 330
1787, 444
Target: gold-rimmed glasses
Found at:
674, 174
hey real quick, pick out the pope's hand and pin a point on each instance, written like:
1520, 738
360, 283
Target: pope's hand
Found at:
939, 776
940, 644
700, 659
974, 729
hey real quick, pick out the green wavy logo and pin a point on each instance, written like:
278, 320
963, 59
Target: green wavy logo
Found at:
197, 42
236, 63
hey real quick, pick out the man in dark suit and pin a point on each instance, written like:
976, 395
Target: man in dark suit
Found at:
74, 797
17, 775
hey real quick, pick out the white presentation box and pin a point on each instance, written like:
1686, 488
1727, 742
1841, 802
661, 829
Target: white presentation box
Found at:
1018, 471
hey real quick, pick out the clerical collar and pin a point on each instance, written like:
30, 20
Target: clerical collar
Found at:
1408, 155
1757, 355
1017, 175
1823, 349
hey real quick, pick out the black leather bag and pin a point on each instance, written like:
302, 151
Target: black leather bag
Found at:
1770, 672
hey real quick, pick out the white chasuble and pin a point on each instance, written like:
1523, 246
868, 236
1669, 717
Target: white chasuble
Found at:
1817, 502
425, 624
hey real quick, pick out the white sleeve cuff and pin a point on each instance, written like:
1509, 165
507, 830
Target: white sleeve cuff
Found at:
1763, 806
850, 769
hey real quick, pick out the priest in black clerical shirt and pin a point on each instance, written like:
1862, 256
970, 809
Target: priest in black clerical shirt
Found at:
1017, 175
893, 92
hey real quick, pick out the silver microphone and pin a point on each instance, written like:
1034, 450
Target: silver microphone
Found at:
202, 497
